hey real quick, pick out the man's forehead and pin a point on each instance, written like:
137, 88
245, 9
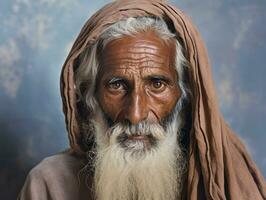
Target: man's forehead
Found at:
140, 51
144, 71
132, 44
140, 63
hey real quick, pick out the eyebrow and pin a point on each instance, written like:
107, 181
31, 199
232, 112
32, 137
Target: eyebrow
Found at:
114, 79
158, 77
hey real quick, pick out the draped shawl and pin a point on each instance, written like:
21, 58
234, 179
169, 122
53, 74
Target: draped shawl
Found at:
219, 166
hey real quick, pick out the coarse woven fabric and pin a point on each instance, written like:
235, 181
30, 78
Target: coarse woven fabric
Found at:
219, 165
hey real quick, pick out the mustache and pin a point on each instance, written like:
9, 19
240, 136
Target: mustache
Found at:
122, 131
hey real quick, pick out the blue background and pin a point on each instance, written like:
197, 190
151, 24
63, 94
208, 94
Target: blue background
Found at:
35, 37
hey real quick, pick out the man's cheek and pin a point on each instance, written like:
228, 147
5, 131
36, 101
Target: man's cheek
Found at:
159, 112
111, 107
112, 112
163, 105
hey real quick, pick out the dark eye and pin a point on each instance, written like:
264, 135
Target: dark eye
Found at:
116, 85
158, 84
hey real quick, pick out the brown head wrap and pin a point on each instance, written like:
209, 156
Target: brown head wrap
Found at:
219, 165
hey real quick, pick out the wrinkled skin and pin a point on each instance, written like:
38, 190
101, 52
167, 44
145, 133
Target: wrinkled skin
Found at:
137, 80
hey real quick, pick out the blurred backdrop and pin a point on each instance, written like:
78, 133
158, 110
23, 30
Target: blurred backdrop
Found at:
36, 35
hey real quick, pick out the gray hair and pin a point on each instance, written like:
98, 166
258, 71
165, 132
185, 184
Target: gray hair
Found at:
89, 65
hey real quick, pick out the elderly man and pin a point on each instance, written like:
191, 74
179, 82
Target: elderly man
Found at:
142, 116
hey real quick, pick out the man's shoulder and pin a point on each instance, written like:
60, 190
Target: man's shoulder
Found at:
60, 165
55, 177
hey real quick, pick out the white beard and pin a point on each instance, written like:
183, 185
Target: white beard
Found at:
135, 172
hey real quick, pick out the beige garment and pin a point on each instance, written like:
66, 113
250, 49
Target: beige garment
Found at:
219, 166
56, 178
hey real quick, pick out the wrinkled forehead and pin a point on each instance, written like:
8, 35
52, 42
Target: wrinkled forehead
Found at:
145, 49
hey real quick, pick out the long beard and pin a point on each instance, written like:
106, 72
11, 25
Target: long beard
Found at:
137, 170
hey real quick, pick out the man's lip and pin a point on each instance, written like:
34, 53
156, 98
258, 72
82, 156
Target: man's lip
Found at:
137, 137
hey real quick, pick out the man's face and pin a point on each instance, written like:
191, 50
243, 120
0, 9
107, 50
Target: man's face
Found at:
137, 90
137, 79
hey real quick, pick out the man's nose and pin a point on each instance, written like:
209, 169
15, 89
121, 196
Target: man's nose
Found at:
137, 109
